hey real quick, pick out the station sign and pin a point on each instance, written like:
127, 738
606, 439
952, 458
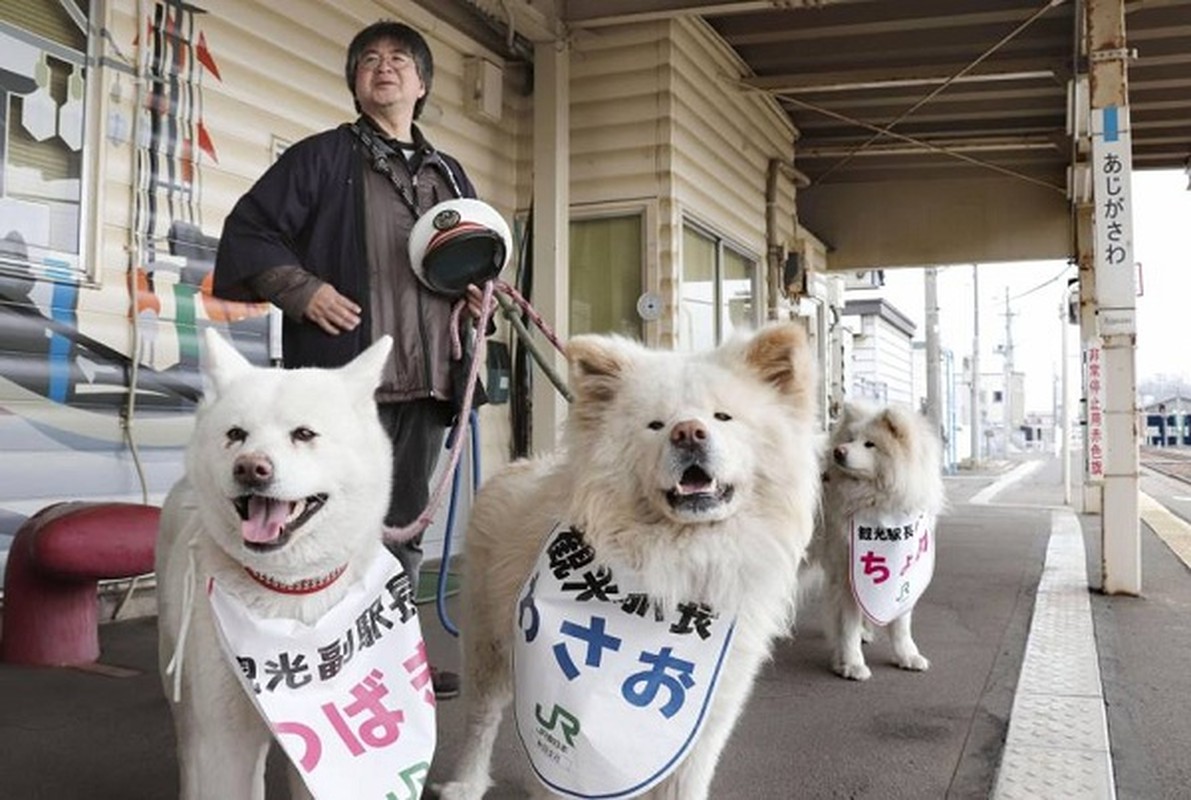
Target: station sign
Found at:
1112, 194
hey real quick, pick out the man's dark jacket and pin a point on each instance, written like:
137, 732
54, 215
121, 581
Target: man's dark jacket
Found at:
306, 210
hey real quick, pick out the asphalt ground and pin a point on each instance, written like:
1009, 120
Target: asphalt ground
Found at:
1144, 644
105, 733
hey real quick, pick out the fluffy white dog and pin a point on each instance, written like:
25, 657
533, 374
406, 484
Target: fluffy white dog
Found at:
874, 541
687, 481
287, 481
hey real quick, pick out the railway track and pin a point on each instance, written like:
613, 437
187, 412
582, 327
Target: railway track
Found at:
1173, 462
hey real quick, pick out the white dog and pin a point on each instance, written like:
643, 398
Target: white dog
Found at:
685, 481
287, 481
882, 492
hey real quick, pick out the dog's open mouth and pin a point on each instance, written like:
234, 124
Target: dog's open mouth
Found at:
697, 492
266, 523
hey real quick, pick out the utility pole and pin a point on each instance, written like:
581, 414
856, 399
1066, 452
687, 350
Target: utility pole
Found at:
1007, 405
934, 393
975, 386
1063, 411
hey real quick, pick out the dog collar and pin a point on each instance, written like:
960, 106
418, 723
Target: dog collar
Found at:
304, 586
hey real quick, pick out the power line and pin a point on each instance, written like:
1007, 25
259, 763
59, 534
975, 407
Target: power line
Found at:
1042, 285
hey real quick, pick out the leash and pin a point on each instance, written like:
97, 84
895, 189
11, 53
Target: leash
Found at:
510, 301
393, 535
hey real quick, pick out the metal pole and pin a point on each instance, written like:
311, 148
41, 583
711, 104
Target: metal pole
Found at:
934, 404
1063, 407
1007, 368
975, 385
512, 314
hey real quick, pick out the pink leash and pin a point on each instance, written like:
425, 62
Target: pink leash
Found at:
394, 535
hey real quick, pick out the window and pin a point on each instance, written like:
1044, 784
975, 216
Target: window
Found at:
42, 115
719, 289
606, 261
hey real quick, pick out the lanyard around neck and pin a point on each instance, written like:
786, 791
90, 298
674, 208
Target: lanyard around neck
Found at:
382, 163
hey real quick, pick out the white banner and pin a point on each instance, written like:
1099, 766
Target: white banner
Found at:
1112, 194
611, 689
893, 561
349, 698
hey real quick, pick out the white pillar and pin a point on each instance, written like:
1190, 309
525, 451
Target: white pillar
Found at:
551, 225
1116, 291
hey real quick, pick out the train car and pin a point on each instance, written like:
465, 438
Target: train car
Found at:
1168, 430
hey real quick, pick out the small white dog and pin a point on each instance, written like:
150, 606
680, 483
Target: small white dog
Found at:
287, 481
874, 541
686, 488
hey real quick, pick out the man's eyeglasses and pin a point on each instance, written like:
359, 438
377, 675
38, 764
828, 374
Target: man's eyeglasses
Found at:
373, 60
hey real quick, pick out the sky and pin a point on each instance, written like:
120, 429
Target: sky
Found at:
1162, 248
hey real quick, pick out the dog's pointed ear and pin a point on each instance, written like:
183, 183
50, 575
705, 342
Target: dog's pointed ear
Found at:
221, 362
846, 415
365, 370
781, 355
898, 421
597, 365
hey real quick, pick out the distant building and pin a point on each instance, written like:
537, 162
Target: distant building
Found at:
882, 352
1167, 422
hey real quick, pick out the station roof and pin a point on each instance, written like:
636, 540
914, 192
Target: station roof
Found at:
984, 78
905, 92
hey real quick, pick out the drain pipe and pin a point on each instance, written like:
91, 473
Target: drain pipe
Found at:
774, 252
773, 248
136, 252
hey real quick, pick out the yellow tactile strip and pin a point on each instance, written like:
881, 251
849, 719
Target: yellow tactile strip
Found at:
1057, 745
1170, 529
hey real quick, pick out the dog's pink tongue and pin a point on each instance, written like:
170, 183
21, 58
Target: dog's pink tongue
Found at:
265, 520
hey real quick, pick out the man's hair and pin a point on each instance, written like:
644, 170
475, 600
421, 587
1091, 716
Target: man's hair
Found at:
406, 38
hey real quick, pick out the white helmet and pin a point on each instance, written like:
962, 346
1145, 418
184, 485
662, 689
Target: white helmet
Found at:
458, 242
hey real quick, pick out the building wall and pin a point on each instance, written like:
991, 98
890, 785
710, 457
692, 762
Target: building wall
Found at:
882, 367
190, 107
882, 363
656, 120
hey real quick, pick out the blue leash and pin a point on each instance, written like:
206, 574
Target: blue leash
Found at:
440, 595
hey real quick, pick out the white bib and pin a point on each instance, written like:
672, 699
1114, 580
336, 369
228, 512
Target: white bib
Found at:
611, 691
349, 698
892, 562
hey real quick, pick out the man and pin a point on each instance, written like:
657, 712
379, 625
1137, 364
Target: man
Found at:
324, 235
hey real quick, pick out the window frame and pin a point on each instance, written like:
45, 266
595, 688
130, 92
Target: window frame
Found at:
722, 243
646, 212
85, 269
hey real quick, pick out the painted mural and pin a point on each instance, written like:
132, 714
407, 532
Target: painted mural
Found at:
98, 378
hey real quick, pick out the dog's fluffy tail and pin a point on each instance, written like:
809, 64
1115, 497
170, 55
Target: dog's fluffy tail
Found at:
811, 578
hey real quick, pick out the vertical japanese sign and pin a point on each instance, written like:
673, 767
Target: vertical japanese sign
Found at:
612, 687
1112, 193
1094, 380
349, 698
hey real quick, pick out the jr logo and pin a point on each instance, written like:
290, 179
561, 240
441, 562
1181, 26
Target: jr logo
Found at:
560, 718
414, 778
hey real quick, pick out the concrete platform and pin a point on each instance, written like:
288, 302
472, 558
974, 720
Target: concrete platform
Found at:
106, 733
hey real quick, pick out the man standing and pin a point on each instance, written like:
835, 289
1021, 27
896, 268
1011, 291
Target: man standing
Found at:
324, 235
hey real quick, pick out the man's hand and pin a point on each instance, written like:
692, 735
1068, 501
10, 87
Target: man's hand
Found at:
475, 300
331, 311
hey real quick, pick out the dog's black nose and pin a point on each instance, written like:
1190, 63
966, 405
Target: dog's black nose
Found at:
253, 469
688, 434
840, 454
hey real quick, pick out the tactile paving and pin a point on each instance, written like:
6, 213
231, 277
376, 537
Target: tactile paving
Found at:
1057, 746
